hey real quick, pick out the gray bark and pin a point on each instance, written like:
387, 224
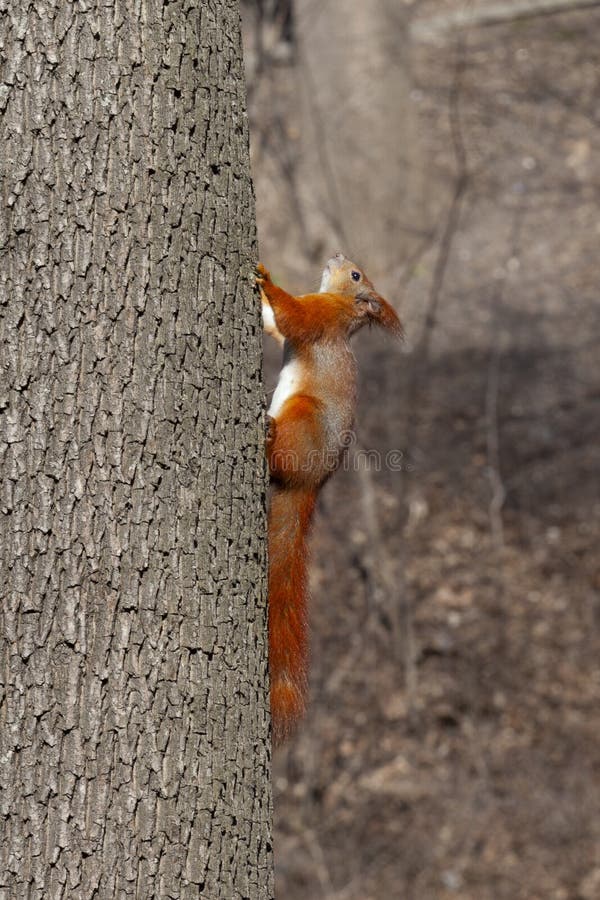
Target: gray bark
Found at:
134, 713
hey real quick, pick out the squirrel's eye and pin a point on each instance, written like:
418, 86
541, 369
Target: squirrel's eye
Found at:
355, 275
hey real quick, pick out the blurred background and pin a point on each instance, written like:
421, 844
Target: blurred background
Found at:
452, 746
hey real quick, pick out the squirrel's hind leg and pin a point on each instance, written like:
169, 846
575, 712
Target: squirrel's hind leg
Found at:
295, 445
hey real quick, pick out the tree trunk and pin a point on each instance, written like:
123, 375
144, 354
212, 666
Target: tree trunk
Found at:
134, 713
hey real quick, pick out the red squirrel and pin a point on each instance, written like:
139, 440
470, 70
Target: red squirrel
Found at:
308, 425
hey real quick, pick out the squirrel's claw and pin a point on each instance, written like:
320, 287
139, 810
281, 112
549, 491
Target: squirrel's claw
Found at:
261, 274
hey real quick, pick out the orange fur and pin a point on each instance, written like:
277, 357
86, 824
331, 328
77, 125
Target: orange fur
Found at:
311, 414
290, 517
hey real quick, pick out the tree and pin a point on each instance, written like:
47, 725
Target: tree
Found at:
357, 122
134, 733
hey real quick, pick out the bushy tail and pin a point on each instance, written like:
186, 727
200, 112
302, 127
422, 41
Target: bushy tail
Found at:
290, 517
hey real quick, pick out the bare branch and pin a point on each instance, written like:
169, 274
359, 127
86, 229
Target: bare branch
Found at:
427, 30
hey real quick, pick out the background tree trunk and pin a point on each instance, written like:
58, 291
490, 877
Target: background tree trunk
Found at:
134, 708
356, 125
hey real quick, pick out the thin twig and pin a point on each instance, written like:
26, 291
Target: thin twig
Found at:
422, 349
454, 210
498, 487
415, 391
493, 445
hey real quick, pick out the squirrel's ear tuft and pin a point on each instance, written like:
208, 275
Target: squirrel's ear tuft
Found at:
390, 321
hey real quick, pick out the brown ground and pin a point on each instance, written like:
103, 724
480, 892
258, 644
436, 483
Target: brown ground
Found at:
466, 763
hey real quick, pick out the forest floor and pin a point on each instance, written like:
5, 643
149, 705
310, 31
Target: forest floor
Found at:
452, 747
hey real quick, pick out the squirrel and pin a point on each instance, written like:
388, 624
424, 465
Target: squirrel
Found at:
308, 425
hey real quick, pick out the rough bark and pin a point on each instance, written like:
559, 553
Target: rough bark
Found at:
134, 715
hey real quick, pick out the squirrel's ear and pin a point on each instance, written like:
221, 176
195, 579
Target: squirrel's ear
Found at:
381, 312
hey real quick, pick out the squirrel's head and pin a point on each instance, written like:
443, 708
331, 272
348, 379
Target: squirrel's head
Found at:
345, 278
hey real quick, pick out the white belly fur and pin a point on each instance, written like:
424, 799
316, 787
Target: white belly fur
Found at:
268, 317
288, 385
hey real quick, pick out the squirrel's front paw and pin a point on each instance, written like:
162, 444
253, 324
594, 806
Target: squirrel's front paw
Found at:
261, 274
270, 429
